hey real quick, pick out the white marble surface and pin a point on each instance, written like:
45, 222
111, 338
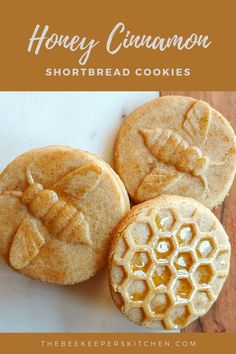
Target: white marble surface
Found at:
88, 120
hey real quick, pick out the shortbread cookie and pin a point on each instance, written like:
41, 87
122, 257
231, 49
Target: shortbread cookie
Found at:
168, 262
58, 207
176, 145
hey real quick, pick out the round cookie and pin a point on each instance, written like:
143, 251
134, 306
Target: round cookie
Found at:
58, 207
176, 145
168, 262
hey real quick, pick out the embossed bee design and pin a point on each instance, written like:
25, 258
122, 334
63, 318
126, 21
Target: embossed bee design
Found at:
63, 221
177, 155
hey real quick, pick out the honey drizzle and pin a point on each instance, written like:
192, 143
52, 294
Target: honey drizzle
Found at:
204, 274
183, 289
181, 320
205, 248
185, 234
138, 296
139, 263
164, 248
183, 261
161, 276
161, 308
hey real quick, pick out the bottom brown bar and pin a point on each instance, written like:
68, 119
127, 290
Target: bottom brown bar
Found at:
190, 343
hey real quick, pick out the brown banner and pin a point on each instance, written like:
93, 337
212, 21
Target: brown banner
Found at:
124, 45
117, 343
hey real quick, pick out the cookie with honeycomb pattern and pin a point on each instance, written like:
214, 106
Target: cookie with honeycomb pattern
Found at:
176, 145
58, 207
168, 262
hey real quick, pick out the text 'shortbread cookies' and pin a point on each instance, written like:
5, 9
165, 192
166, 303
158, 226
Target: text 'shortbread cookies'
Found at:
58, 207
168, 262
176, 145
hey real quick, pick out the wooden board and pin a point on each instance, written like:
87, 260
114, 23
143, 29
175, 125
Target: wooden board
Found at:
222, 315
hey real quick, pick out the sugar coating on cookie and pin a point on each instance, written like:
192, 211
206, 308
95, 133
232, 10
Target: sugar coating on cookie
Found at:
168, 262
58, 207
176, 145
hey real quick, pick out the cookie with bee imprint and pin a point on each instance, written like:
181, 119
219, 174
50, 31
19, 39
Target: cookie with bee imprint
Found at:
58, 207
176, 145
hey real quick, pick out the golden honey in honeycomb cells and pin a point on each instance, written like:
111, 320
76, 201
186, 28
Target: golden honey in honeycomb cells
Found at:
140, 262
184, 261
138, 296
160, 303
183, 288
164, 248
181, 317
203, 274
205, 248
161, 275
137, 290
185, 234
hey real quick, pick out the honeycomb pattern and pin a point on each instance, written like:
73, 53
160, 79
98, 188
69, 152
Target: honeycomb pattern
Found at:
186, 234
137, 290
203, 274
182, 289
140, 262
161, 275
164, 248
165, 271
206, 247
184, 261
160, 303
